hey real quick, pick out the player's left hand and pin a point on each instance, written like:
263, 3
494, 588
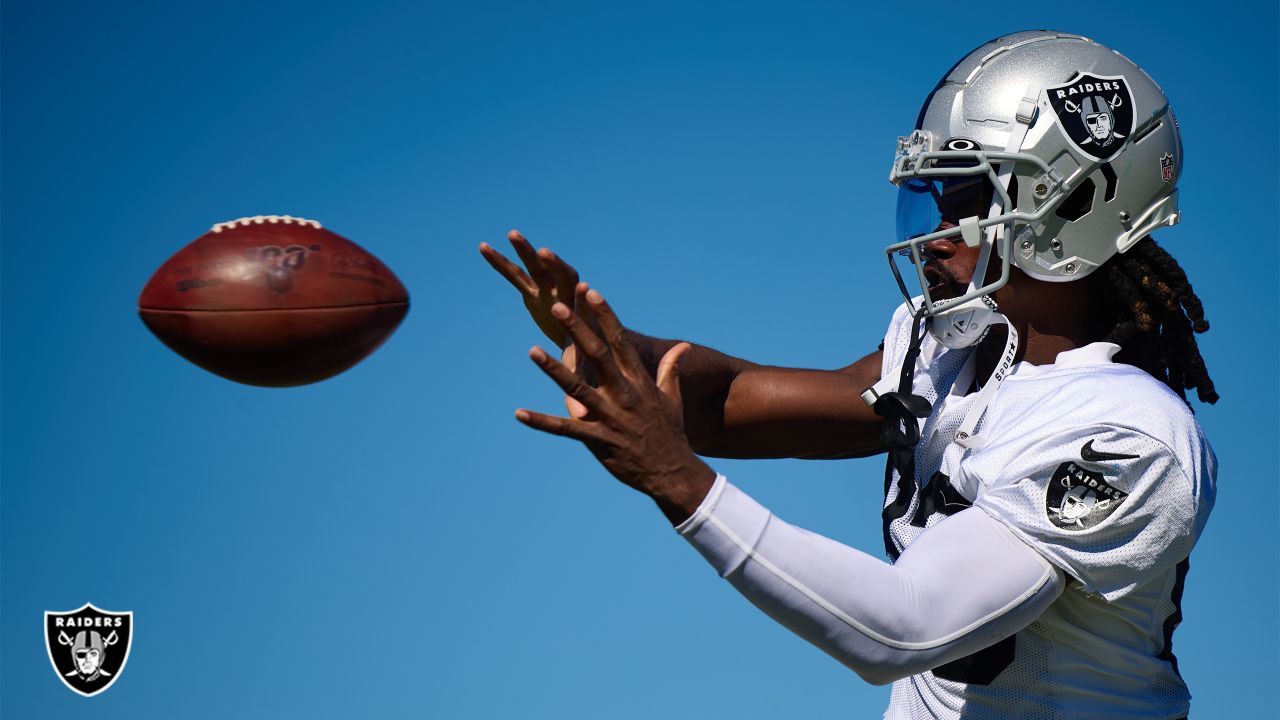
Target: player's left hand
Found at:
634, 426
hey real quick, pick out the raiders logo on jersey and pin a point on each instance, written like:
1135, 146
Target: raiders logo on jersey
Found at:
1079, 498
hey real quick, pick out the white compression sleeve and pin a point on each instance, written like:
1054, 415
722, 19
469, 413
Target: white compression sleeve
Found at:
964, 584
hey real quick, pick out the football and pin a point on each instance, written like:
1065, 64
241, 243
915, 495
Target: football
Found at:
273, 300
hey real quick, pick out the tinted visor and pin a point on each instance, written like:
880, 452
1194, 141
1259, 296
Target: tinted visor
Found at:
926, 204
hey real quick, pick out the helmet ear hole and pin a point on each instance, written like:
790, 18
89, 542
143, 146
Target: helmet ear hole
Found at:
1078, 203
1109, 174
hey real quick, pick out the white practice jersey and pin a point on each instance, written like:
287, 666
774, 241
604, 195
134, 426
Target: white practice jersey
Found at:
1105, 472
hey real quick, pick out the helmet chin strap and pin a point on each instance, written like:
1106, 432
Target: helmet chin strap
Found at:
903, 410
968, 325
965, 436
962, 326
979, 318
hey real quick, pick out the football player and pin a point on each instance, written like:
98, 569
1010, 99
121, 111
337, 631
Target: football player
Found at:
1046, 479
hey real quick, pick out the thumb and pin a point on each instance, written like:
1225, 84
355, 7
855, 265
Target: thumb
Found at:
576, 410
669, 375
569, 357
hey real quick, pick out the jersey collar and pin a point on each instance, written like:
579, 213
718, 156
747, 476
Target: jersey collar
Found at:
1098, 353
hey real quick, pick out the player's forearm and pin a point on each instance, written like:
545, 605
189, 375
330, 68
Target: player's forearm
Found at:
964, 585
774, 412
706, 377
735, 408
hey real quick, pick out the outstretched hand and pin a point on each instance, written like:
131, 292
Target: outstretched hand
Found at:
549, 280
634, 423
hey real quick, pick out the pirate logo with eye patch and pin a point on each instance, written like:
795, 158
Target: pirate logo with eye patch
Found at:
1095, 112
1079, 498
88, 647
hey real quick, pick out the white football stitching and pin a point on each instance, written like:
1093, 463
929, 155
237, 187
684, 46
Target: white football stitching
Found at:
260, 219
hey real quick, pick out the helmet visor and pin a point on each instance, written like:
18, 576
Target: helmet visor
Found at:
930, 204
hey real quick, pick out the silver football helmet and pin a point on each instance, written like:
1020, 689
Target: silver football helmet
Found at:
1047, 151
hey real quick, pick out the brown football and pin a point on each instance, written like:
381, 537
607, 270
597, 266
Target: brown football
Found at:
273, 300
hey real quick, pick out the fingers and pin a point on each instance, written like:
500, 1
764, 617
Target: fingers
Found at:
530, 259
580, 303
547, 274
573, 386
566, 278
592, 348
569, 358
508, 269
614, 333
564, 427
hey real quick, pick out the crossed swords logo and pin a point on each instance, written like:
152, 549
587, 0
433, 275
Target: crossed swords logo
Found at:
1115, 102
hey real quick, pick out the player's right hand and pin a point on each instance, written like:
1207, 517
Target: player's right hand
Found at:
549, 280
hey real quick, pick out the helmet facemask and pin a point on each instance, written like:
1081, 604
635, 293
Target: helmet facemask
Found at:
964, 195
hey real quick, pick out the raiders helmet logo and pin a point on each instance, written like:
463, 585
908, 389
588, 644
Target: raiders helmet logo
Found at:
1079, 498
1095, 112
88, 647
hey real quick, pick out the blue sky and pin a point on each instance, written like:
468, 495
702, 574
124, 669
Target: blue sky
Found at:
391, 543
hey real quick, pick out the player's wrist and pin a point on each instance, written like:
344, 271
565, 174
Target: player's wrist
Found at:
680, 496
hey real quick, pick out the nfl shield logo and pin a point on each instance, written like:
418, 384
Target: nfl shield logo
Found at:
1166, 167
88, 647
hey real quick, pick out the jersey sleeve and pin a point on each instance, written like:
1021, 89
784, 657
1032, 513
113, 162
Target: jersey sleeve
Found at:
1111, 506
964, 584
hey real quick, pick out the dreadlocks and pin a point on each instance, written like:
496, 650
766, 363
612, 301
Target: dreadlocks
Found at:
1157, 316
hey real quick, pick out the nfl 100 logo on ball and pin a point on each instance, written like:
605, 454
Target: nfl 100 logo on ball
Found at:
88, 647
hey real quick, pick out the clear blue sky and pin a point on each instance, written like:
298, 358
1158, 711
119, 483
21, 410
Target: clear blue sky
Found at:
391, 543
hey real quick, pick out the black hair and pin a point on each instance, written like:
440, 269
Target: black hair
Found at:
1156, 318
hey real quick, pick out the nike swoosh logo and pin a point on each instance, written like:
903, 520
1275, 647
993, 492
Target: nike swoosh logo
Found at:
1088, 454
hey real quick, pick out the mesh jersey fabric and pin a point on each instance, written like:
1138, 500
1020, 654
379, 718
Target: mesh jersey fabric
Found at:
1103, 470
